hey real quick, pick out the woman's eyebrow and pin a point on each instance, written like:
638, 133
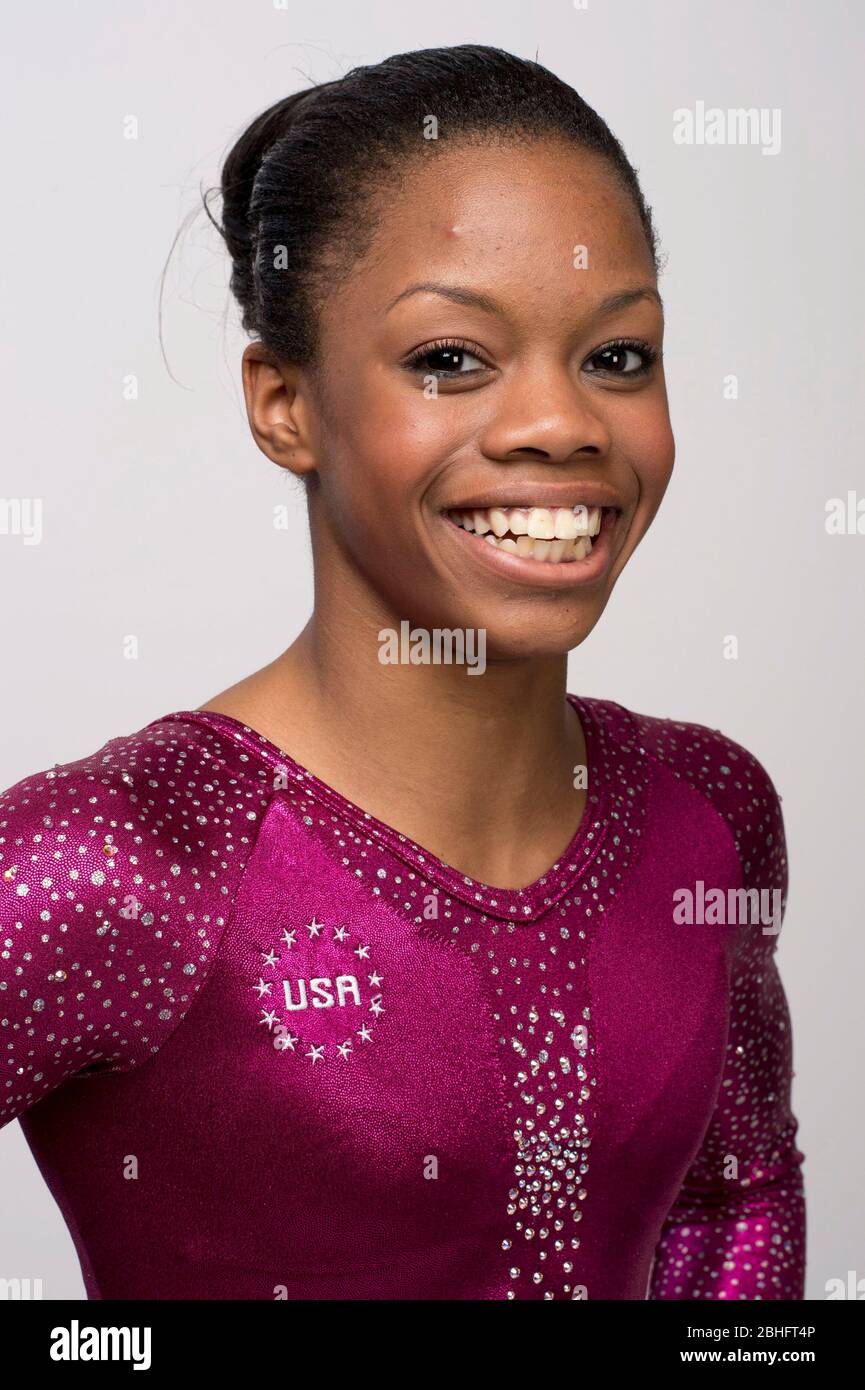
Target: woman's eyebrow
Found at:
621, 299
459, 295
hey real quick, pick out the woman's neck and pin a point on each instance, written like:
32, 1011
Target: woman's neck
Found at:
476, 768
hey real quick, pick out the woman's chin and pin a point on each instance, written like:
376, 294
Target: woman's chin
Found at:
510, 644
481, 637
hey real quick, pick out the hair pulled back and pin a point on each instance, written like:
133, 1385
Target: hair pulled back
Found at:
299, 187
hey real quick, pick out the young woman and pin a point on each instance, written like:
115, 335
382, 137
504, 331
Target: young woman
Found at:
394, 970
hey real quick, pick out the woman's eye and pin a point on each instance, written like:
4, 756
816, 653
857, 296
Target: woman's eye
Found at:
621, 359
446, 360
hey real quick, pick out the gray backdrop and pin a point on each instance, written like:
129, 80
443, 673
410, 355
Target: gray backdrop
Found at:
157, 518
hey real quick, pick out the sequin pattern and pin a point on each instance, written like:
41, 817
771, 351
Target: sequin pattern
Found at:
118, 875
742, 1236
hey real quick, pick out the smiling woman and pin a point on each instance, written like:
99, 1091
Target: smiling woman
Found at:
414, 936
508, 378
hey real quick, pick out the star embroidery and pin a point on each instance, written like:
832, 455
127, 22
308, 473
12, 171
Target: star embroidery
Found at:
287, 1041
363, 1033
314, 928
269, 1019
339, 933
315, 1054
375, 978
362, 952
289, 937
376, 1006
263, 987
269, 956
344, 1048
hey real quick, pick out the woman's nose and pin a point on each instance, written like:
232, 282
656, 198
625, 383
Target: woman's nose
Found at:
546, 414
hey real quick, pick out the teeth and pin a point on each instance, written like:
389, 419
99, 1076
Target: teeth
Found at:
549, 535
546, 552
541, 525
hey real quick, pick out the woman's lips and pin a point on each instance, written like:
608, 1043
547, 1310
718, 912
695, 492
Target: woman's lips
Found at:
555, 547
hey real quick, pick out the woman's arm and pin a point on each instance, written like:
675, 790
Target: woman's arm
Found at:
737, 1228
117, 875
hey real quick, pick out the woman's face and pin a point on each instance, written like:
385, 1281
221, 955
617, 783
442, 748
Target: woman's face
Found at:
522, 400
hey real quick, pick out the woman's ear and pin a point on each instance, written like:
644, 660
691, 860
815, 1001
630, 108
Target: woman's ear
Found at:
277, 410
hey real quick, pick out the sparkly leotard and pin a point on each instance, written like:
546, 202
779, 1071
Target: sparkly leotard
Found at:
263, 1046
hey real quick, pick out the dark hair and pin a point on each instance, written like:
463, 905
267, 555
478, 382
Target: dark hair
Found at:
299, 185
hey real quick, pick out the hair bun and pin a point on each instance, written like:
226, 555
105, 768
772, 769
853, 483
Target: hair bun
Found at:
239, 173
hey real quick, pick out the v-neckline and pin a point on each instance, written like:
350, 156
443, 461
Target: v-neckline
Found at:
513, 904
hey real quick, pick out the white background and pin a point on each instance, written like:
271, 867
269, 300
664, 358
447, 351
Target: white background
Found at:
158, 512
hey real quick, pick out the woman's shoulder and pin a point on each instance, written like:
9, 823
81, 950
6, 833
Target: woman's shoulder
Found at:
687, 747
117, 874
725, 772
177, 780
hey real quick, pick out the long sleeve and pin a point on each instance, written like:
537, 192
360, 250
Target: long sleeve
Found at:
737, 1228
108, 925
